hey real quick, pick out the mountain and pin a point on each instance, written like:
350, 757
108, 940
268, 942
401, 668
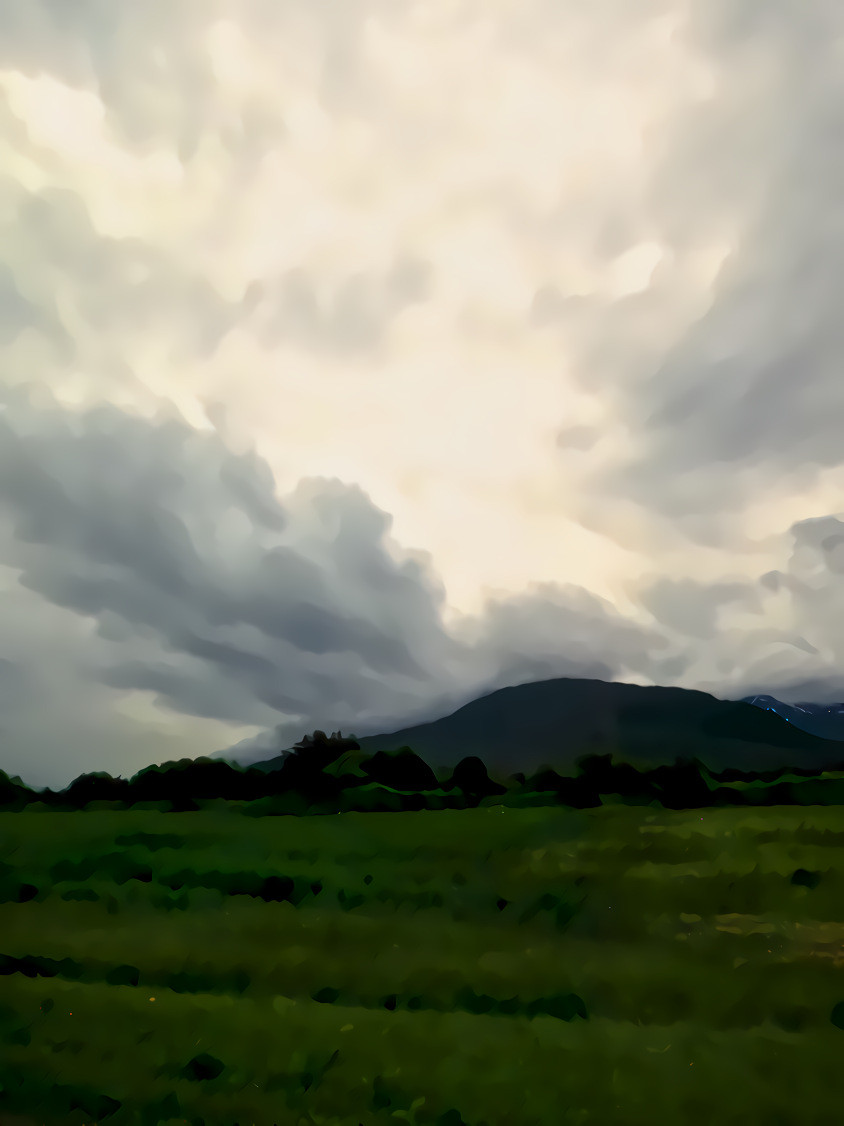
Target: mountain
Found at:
554, 722
824, 720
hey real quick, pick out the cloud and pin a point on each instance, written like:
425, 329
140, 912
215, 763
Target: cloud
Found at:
205, 591
551, 630
549, 290
151, 82
278, 208
745, 403
161, 527
124, 286
691, 608
57, 720
777, 633
355, 318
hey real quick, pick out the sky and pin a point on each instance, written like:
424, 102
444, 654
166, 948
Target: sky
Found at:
359, 359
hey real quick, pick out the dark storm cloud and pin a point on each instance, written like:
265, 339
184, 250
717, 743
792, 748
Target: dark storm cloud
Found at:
57, 718
197, 692
128, 514
225, 603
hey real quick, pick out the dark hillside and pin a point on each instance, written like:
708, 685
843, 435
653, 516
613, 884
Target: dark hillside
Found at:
554, 722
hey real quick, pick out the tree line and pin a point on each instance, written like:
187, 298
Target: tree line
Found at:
331, 774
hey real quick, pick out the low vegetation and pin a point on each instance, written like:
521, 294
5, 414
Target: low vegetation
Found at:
214, 945
494, 965
332, 775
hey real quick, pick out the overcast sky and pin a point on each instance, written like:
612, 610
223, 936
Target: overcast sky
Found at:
358, 358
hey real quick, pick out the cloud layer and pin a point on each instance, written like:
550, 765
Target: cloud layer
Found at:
357, 360
207, 592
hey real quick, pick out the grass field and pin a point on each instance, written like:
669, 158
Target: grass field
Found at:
490, 965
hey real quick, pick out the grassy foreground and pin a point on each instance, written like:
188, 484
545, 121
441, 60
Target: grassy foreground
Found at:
494, 965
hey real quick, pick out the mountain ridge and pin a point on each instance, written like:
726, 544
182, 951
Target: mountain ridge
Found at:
554, 722
824, 720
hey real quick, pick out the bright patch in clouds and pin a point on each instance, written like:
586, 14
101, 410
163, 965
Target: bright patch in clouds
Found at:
632, 271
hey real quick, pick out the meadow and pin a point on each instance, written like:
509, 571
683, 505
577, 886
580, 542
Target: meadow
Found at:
496, 965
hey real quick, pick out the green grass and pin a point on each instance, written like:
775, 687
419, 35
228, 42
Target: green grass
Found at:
617, 965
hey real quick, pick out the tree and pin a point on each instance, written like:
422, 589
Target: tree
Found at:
400, 770
470, 775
